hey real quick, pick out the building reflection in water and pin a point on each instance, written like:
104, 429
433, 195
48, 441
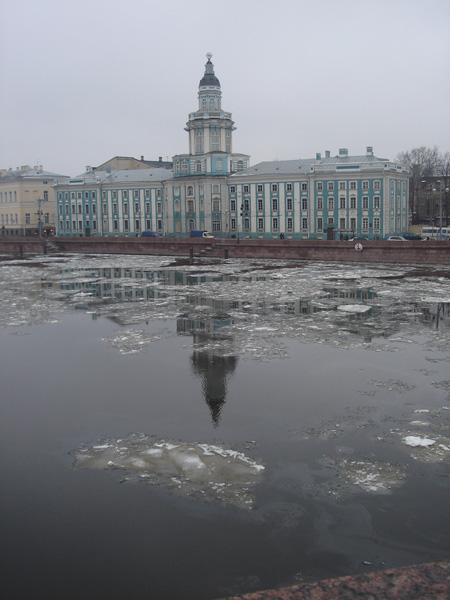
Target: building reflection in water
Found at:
214, 369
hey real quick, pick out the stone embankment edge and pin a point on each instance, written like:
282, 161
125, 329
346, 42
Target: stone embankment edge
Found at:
373, 251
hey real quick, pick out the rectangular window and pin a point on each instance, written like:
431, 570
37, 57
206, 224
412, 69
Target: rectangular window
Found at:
190, 206
158, 193
94, 196
136, 207
246, 205
125, 194
289, 203
341, 203
320, 203
274, 187
319, 224
137, 225
247, 224
376, 185
136, 193
260, 204
159, 208
232, 189
290, 223
304, 203
86, 208
260, 188
353, 202
376, 202
125, 209
353, 223
289, 187
260, 223
305, 187
376, 223
115, 225
233, 224
275, 223
94, 225
319, 186
353, 185
94, 209
114, 195
331, 186
27, 218
78, 195
233, 205
365, 203
330, 220
147, 224
342, 223
105, 209
342, 185
274, 203
330, 203
147, 194
365, 223
304, 223
246, 189
86, 195
115, 209
365, 185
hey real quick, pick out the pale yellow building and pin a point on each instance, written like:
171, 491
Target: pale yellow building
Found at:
28, 201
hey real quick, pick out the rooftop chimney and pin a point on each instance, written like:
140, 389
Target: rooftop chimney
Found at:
343, 152
318, 156
369, 151
327, 154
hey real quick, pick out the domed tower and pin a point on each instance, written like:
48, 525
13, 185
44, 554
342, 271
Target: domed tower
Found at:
210, 133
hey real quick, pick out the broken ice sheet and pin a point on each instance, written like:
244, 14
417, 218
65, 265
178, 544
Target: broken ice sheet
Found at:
370, 476
131, 341
199, 471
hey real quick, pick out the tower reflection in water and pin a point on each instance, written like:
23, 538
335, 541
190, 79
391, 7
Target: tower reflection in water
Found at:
213, 367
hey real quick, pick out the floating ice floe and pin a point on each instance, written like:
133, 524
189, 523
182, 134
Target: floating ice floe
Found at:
370, 476
193, 470
354, 308
415, 440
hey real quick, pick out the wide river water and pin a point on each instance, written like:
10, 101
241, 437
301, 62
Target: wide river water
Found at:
177, 431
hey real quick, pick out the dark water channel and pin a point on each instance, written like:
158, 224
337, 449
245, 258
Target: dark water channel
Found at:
336, 381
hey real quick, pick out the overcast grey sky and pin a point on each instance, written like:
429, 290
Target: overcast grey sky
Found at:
85, 80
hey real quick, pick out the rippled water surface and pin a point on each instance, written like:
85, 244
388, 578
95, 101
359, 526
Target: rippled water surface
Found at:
173, 430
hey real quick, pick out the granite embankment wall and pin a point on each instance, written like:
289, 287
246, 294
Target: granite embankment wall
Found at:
377, 251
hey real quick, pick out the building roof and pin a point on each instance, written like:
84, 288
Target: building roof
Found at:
308, 165
27, 173
143, 176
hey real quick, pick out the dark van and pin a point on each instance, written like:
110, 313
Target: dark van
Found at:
149, 234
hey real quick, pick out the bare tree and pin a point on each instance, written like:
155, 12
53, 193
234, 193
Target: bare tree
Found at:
443, 172
422, 162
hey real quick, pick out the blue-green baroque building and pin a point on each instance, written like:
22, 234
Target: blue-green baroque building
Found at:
212, 188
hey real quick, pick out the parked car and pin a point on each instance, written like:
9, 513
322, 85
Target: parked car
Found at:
200, 234
411, 236
359, 238
396, 238
149, 234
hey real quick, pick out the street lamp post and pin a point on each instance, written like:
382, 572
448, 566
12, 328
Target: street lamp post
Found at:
39, 201
439, 182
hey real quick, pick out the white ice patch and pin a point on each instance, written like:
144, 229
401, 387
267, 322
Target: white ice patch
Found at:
354, 308
189, 469
415, 441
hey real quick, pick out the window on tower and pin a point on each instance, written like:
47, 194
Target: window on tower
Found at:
215, 141
199, 140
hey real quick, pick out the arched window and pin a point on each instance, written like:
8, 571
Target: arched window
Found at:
184, 166
199, 140
191, 224
216, 205
204, 104
219, 164
212, 104
240, 165
215, 141
176, 206
216, 224
216, 189
190, 190
198, 166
